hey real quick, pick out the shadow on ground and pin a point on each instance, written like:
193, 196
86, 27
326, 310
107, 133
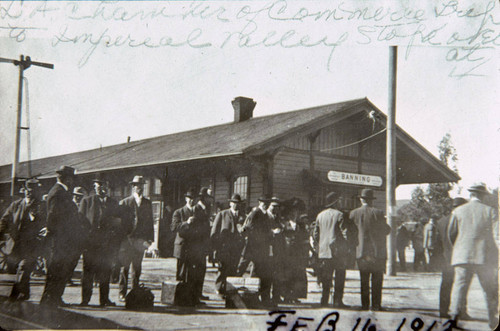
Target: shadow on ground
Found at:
28, 315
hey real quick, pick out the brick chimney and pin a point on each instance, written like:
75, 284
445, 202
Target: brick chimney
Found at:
243, 108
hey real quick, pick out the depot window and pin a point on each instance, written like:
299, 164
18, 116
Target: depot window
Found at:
240, 186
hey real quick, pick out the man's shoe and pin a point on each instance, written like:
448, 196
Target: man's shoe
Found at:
84, 304
339, 305
108, 303
122, 298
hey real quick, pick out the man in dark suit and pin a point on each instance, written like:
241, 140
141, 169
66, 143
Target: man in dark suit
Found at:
199, 245
64, 235
473, 231
102, 215
371, 253
447, 271
192, 244
329, 236
180, 217
227, 241
257, 229
138, 215
25, 221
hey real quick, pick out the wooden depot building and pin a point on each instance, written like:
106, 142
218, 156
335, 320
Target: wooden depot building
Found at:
303, 153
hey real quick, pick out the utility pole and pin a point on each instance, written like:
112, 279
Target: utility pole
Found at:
391, 160
23, 64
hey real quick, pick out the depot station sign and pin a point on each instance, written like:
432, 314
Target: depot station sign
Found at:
356, 179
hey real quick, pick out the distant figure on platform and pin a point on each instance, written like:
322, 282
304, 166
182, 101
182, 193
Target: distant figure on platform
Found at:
402, 239
473, 230
65, 236
278, 250
25, 221
371, 253
417, 240
165, 235
138, 213
78, 194
447, 271
330, 243
296, 252
257, 229
227, 242
102, 215
432, 244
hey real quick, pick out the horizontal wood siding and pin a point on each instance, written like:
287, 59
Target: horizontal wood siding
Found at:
331, 137
256, 187
222, 189
326, 163
288, 166
335, 136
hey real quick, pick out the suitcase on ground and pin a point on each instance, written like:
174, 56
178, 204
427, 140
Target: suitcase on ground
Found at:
184, 295
168, 292
140, 298
242, 292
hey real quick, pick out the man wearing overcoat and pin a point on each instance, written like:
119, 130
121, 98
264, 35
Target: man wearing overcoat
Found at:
227, 241
447, 271
329, 236
138, 215
473, 230
102, 215
25, 221
258, 232
180, 217
371, 253
65, 234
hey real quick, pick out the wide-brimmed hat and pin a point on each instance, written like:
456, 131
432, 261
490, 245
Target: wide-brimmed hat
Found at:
478, 187
367, 194
458, 202
190, 194
66, 171
331, 198
32, 183
137, 180
235, 198
79, 191
264, 198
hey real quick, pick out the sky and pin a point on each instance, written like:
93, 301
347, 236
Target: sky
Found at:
143, 69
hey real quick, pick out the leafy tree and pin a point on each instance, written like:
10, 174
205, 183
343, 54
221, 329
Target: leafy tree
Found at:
434, 200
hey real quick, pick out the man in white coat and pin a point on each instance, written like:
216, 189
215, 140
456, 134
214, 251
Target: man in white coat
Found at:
473, 230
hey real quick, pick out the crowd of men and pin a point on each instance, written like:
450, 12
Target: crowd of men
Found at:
273, 242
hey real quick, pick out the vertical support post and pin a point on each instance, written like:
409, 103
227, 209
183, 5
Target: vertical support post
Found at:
391, 160
15, 164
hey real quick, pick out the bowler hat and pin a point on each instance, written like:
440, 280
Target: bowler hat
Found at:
264, 198
478, 187
235, 198
33, 182
137, 180
189, 194
458, 202
98, 179
276, 200
331, 198
66, 171
367, 194
79, 191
